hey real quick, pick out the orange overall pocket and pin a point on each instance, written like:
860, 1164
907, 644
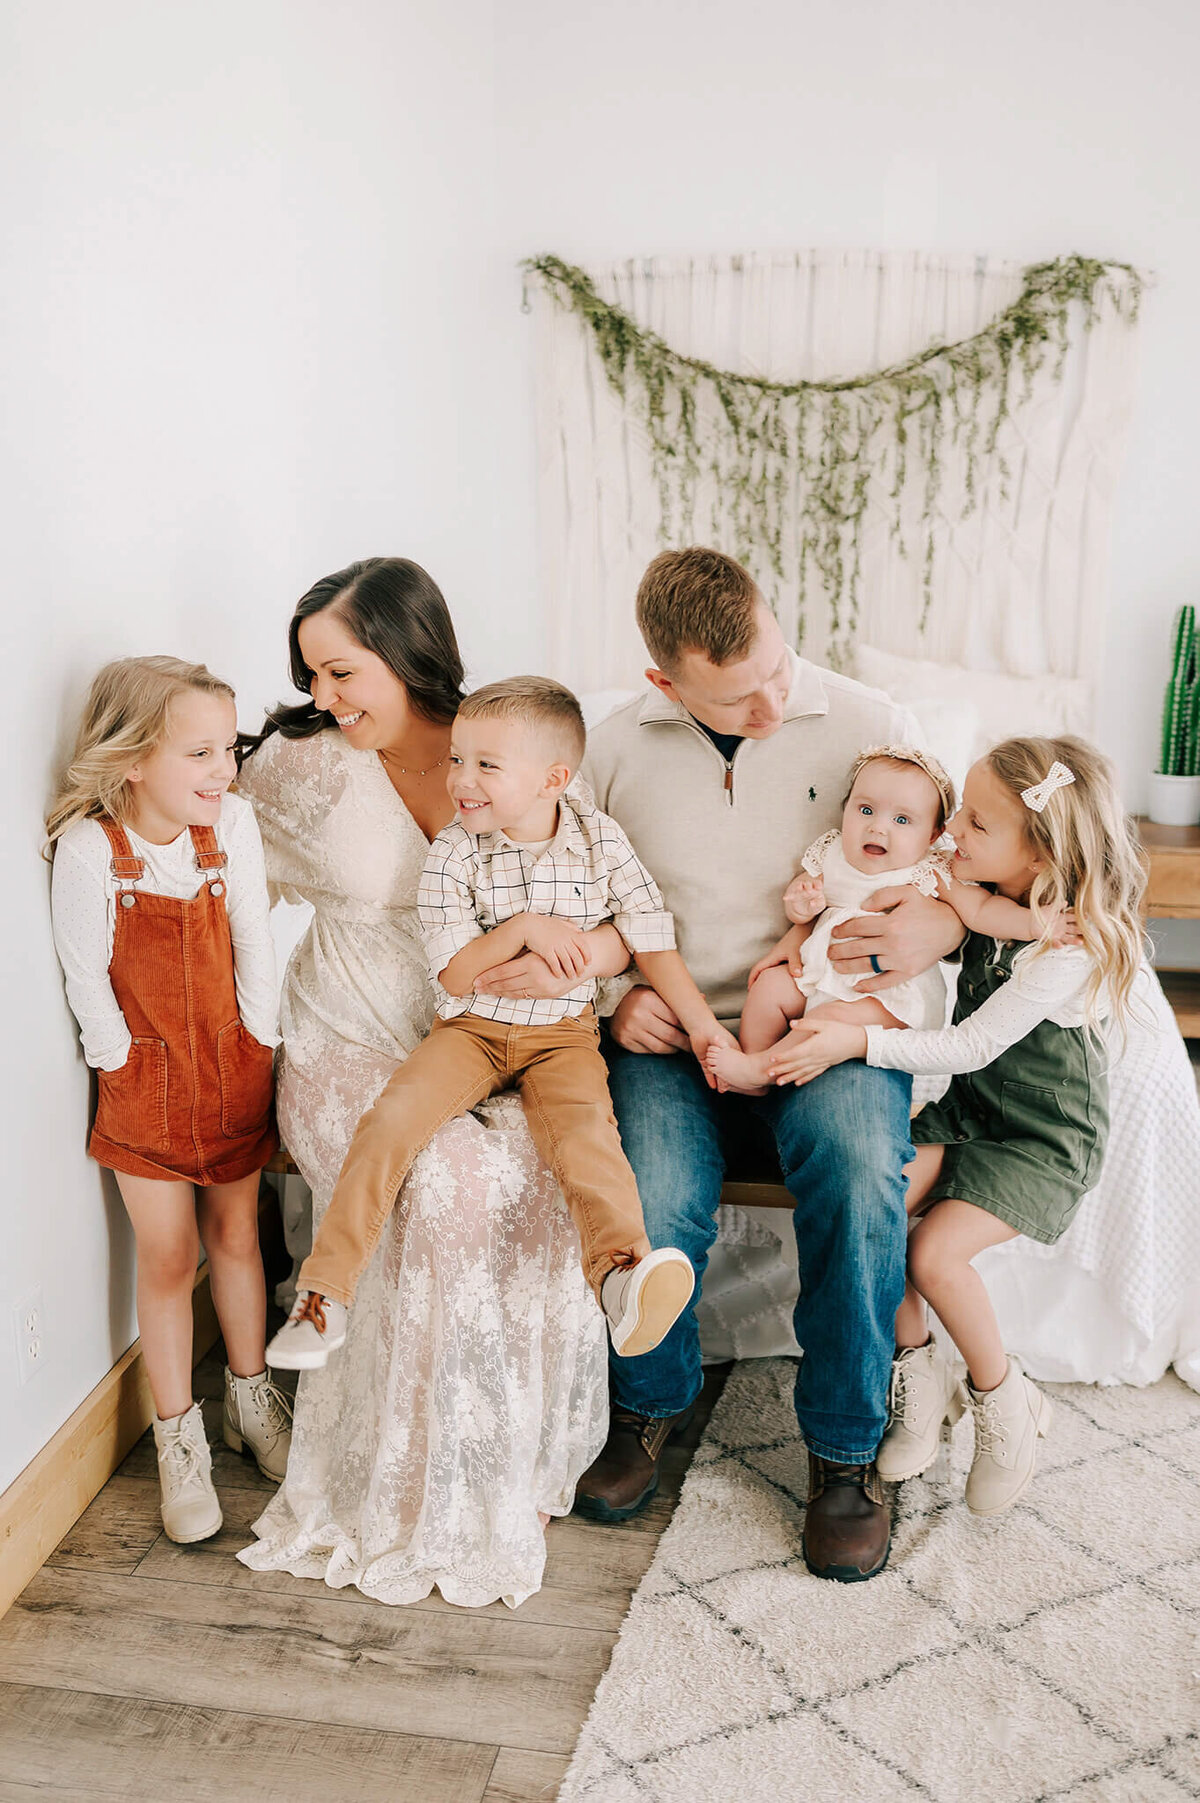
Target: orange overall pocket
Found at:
133, 1101
247, 1074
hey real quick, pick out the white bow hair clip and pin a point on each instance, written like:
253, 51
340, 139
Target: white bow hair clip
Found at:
1057, 777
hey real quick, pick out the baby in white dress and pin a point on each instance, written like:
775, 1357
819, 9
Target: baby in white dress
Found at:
896, 811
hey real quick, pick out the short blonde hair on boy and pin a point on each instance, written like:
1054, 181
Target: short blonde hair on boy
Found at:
538, 702
125, 716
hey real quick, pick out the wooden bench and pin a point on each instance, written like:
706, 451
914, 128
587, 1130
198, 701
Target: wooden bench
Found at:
757, 1191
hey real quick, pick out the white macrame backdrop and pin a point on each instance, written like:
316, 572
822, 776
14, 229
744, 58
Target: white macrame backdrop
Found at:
1020, 586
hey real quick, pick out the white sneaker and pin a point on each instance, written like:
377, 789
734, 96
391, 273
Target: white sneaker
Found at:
315, 1328
644, 1301
924, 1396
1009, 1420
190, 1510
258, 1420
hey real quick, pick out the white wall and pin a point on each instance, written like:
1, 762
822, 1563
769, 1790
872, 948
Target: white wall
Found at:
250, 335
1042, 127
261, 317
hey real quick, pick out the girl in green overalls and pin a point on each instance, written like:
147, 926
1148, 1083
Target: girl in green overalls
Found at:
1018, 1138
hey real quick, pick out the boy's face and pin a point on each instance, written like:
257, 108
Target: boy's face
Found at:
504, 777
890, 818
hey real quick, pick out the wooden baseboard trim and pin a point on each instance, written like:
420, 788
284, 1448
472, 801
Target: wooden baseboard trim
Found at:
50, 1495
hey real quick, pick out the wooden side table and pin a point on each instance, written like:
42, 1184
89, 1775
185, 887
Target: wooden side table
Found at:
1173, 893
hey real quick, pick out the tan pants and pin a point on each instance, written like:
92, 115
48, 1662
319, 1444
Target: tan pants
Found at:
564, 1086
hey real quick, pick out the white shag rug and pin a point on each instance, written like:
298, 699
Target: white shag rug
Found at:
1051, 1654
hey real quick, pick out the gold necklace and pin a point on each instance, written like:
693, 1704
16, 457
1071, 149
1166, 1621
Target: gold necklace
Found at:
401, 769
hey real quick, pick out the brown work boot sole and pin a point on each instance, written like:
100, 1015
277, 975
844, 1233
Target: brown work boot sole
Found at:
847, 1574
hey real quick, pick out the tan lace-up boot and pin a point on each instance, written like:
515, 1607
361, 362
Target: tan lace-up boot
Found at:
924, 1401
190, 1510
1009, 1421
258, 1421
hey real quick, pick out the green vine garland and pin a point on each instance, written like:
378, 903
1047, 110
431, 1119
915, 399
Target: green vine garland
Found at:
803, 454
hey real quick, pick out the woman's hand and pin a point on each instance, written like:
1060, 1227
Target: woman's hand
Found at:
811, 1047
563, 946
804, 899
528, 977
908, 935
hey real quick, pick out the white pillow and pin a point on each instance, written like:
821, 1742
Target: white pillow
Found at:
598, 704
1004, 705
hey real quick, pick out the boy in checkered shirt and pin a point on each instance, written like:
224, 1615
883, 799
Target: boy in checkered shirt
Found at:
524, 866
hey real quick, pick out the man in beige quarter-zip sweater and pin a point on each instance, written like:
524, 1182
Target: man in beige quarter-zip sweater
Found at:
722, 776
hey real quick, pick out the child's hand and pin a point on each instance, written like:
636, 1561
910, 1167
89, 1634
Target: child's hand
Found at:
704, 1039
1064, 930
563, 946
804, 899
811, 1047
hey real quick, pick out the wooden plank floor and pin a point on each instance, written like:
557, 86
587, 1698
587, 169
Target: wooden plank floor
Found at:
131, 1667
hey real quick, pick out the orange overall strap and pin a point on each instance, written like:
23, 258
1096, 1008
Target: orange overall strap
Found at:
125, 867
209, 855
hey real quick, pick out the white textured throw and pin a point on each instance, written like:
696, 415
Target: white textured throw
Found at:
1051, 1653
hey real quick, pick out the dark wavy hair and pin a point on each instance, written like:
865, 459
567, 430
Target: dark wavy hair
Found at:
394, 608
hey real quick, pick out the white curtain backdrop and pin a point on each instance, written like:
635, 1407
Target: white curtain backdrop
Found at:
1020, 585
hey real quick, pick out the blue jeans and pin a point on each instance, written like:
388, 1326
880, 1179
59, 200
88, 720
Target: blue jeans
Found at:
842, 1142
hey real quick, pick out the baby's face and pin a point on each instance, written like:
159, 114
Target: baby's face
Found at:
890, 818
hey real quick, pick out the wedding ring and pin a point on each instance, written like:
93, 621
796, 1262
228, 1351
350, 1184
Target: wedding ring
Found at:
876, 966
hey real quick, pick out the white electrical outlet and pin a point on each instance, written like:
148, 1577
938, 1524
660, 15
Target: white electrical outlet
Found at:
29, 1326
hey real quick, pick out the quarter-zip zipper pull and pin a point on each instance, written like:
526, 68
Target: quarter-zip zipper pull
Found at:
729, 782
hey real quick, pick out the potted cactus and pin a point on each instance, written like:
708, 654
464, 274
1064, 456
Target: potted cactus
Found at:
1175, 785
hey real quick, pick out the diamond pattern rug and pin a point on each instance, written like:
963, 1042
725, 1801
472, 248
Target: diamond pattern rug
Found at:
1051, 1654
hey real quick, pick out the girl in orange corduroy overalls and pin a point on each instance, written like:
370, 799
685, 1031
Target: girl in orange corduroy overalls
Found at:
161, 924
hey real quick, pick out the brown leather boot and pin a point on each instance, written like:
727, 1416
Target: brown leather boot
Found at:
625, 1476
848, 1524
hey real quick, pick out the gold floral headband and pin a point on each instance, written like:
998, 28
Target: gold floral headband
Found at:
909, 754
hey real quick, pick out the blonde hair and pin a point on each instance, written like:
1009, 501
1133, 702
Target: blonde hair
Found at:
697, 600
125, 717
1091, 860
920, 760
537, 701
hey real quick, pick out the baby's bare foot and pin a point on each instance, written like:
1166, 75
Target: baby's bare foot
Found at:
744, 1071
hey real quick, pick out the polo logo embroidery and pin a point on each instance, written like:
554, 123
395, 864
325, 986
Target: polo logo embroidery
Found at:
812, 794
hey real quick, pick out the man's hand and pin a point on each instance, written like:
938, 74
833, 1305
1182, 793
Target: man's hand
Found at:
804, 899
811, 1047
563, 946
642, 1022
907, 936
527, 977
777, 956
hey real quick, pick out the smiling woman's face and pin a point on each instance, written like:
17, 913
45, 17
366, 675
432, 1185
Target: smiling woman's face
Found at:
365, 697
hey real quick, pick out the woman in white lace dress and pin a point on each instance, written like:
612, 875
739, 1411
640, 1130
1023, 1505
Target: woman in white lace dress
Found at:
471, 1392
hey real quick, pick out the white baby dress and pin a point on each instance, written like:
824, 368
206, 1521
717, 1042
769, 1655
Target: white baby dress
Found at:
920, 1002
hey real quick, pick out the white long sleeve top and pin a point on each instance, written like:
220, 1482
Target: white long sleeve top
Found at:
83, 912
1052, 987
